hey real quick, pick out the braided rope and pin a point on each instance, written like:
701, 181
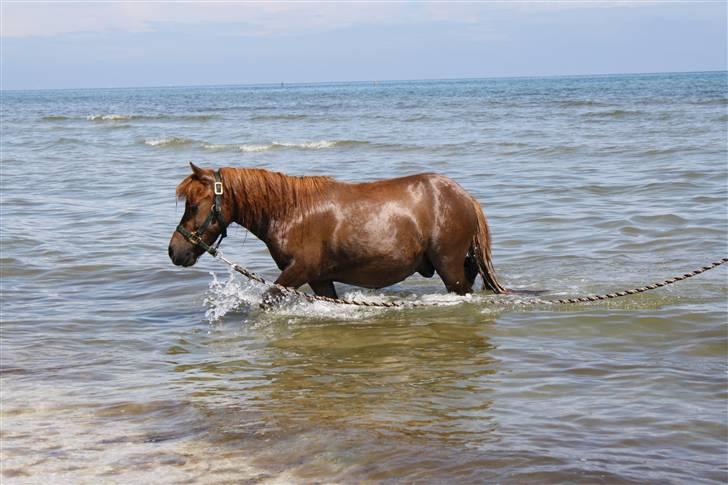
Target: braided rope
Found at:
641, 289
400, 304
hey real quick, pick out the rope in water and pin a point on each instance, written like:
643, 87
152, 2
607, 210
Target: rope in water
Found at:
533, 301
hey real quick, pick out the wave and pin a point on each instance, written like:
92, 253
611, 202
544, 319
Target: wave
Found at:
307, 145
174, 142
123, 117
512, 144
171, 141
55, 118
616, 113
712, 101
580, 103
665, 151
281, 117
316, 145
68, 141
108, 117
547, 151
415, 118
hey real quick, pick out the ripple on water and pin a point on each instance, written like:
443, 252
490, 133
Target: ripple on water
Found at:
116, 366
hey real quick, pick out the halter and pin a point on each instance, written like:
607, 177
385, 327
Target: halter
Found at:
215, 213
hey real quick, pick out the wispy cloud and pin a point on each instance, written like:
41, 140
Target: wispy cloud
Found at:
88, 44
50, 19
255, 18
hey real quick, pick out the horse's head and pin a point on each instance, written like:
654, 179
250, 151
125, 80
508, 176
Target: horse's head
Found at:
207, 214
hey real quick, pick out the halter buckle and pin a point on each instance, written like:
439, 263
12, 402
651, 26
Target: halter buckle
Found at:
218, 188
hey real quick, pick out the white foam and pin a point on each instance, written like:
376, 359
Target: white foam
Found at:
155, 142
110, 117
258, 147
313, 145
254, 148
230, 295
236, 294
239, 295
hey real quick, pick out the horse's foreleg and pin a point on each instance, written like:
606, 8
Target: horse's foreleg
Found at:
292, 277
323, 288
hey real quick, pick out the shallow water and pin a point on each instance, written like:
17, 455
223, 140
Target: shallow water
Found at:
118, 366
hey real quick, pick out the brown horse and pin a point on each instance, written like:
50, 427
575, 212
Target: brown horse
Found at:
320, 230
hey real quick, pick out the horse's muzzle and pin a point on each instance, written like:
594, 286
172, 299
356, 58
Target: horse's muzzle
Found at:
184, 258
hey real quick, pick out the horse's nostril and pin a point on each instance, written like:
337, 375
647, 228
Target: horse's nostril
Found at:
169, 251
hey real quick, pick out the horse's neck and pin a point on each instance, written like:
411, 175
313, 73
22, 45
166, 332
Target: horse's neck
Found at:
261, 215
258, 221
260, 229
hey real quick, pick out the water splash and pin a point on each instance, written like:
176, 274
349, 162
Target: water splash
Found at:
230, 295
237, 295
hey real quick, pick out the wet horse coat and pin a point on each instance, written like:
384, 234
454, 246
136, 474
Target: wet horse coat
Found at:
319, 230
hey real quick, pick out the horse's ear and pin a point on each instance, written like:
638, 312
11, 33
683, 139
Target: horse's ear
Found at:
200, 173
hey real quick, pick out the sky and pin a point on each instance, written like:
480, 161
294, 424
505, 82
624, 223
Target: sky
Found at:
127, 44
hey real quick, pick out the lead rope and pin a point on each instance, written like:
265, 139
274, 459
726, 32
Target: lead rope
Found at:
495, 301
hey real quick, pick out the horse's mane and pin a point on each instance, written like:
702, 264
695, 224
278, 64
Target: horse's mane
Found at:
260, 193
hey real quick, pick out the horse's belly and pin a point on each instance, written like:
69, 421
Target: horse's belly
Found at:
378, 270
381, 245
373, 277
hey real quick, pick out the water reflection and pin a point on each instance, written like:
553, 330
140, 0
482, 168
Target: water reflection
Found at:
340, 387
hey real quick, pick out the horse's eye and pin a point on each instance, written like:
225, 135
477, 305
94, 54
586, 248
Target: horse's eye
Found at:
193, 208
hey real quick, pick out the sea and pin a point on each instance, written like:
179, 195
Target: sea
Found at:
118, 367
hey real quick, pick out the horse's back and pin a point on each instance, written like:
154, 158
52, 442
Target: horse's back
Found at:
426, 203
385, 229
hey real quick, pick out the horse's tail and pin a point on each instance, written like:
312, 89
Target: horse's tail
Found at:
480, 248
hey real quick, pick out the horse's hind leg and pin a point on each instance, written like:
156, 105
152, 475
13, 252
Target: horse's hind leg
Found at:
323, 288
452, 270
471, 268
425, 268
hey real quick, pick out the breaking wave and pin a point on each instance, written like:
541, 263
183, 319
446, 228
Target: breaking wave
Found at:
161, 117
306, 145
173, 141
110, 117
164, 142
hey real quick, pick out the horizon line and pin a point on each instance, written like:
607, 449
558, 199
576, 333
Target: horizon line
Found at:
369, 81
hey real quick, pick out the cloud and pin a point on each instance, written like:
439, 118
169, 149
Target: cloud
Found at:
51, 19
147, 44
265, 18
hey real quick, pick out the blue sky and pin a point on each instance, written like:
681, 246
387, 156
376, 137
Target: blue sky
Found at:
121, 44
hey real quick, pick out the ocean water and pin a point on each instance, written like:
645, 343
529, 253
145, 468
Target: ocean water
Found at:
117, 366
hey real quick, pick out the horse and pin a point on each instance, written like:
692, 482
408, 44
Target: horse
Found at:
320, 230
